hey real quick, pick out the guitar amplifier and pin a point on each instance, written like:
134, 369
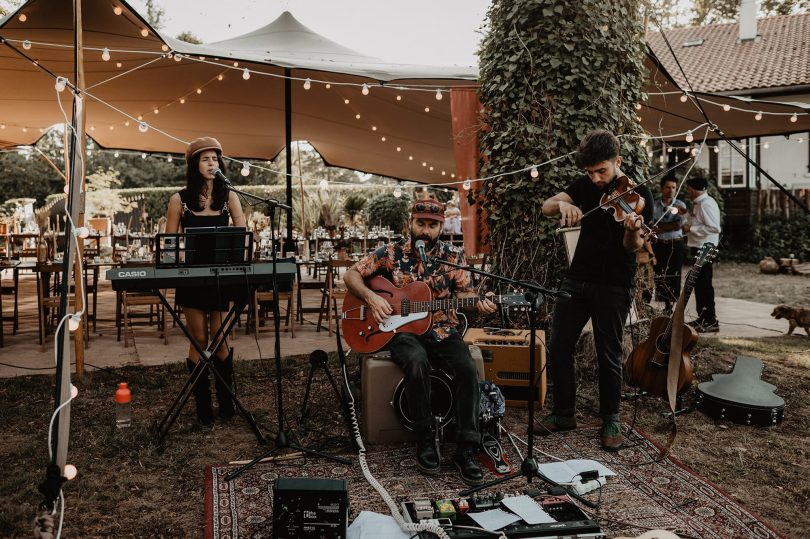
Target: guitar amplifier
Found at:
310, 508
506, 362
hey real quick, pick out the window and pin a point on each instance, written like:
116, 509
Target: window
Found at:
731, 165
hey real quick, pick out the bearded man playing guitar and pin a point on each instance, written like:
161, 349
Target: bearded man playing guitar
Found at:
599, 285
401, 264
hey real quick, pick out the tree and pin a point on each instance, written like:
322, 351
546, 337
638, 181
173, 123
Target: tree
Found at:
388, 211
154, 15
549, 73
7, 6
189, 37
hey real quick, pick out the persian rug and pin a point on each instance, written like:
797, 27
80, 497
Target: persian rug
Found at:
644, 495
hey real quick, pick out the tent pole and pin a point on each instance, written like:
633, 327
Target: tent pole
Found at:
289, 245
303, 207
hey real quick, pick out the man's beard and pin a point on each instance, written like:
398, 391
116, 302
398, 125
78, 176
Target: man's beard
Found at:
429, 243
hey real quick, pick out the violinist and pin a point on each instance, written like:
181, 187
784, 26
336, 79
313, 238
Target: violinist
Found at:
599, 281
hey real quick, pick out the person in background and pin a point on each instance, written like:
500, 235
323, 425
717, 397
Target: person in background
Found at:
703, 226
668, 247
599, 285
204, 202
452, 219
401, 264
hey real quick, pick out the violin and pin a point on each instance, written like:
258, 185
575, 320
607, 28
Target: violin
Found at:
621, 200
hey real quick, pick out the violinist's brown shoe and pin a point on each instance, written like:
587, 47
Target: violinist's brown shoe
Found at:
554, 423
611, 436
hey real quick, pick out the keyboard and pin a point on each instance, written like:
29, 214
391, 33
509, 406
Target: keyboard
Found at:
151, 278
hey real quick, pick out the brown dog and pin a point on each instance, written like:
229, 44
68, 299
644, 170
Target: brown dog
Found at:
795, 317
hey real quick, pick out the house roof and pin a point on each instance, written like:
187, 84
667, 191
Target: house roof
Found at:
779, 57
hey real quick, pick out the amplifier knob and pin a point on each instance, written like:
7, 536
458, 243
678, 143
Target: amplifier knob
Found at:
361, 333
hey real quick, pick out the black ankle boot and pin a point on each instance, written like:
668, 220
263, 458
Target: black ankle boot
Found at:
202, 395
224, 368
427, 453
465, 461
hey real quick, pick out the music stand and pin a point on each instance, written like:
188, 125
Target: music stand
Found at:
282, 437
528, 468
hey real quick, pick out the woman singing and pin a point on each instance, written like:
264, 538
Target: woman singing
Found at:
205, 202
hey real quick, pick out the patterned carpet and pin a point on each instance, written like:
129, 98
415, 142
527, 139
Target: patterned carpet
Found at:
644, 495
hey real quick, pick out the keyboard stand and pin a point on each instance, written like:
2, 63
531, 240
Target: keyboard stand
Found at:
206, 362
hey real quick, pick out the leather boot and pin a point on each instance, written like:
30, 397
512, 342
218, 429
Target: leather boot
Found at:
465, 461
427, 454
224, 368
202, 395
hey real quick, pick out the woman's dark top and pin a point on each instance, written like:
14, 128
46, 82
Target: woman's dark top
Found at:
202, 298
600, 256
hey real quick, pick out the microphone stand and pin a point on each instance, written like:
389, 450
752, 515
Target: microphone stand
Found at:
282, 440
528, 468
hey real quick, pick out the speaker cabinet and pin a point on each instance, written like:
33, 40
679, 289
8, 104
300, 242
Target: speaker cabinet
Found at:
506, 362
379, 377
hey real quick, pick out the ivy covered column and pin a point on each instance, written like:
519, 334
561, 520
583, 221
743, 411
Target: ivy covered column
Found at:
550, 71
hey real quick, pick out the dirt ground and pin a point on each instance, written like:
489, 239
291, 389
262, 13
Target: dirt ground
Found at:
128, 485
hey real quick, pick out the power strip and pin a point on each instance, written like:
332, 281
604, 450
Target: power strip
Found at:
582, 488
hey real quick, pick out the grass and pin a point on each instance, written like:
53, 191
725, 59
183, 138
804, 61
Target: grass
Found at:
744, 281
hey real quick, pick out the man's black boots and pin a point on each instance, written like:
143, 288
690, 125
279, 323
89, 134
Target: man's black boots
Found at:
224, 368
202, 395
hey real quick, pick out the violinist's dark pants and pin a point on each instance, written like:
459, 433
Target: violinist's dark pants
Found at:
607, 307
704, 293
416, 356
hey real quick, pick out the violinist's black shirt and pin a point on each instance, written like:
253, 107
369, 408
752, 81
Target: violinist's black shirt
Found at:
600, 256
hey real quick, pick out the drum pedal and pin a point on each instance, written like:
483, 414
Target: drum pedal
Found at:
495, 458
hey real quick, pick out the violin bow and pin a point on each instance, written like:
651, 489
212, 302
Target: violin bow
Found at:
639, 184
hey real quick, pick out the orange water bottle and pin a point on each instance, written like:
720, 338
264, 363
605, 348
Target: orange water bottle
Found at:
123, 406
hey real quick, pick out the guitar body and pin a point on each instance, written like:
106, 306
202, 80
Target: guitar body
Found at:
361, 331
646, 366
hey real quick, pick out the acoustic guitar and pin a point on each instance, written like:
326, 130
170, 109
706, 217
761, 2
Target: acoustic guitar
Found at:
413, 306
646, 366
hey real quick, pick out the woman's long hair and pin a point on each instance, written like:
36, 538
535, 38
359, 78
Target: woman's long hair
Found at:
195, 184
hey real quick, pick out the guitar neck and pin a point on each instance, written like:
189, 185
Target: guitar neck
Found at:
688, 286
449, 303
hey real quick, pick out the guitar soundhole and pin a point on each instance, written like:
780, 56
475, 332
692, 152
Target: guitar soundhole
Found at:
662, 344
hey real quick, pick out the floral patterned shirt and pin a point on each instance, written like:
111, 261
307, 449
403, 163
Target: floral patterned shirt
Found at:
398, 263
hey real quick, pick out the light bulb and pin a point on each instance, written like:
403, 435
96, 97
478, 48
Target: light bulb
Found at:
144, 32
105, 54
74, 391
328, 85
140, 117
438, 95
399, 98
452, 174
424, 164
143, 155
112, 128
430, 168
365, 89
689, 137
23, 17
236, 64
397, 192
307, 84
444, 173
410, 158
199, 90
170, 159
357, 115
178, 57
245, 169
126, 123
182, 100
684, 98
669, 150
638, 106
726, 107
716, 149
649, 154
766, 146
73, 323
220, 76
27, 45
156, 111
466, 185
324, 184
427, 109
694, 151
382, 139
70, 471
399, 148
346, 101
115, 154
758, 116
118, 10
118, 64
92, 128
794, 118
373, 127
534, 172
673, 210
60, 84
800, 140
246, 73
143, 127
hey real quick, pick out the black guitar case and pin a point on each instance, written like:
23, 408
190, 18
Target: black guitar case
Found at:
742, 397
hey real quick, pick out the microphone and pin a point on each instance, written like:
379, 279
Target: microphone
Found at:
420, 248
218, 174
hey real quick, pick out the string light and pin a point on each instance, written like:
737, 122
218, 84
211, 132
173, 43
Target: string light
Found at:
246, 74
794, 118
23, 17
689, 137
438, 95
118, 64
534, 172
118, 10
245, 169
156, 111
365, 89
328, 85
758, 116
143, 155
199, 90
105, 54
76, 319
684, 98
70, 471
143, 127
357, 115
716, 149
182, 100
638, 106
399, 148
178, 57
60, 84
346, 101
766, 146
169, 159
427, 109
726, 107
373, 127
397, 192
27, 45
399, 98
467, 184
307, 84
116, 154
144, 32
220, 76
382, 139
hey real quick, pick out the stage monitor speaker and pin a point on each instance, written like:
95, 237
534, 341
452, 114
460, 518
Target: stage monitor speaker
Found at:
506, 362
379, 377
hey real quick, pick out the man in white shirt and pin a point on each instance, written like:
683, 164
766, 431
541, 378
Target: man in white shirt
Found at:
703, 226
